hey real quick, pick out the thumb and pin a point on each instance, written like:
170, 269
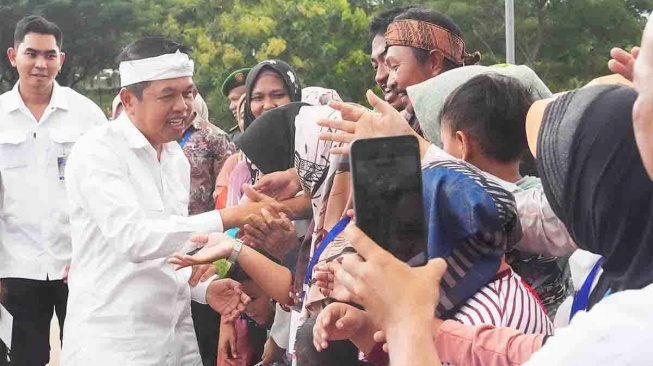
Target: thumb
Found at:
252, 194
378, 103
348, 321
435, 268
200, 239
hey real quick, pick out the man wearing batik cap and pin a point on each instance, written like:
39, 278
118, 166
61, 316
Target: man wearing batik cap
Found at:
128, 185
233, 88
422, 44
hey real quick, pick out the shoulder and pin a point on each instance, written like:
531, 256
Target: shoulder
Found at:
81, 104
98, 143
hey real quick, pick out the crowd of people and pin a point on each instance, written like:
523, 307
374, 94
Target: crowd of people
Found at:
159, 239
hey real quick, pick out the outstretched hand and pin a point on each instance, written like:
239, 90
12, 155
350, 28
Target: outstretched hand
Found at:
623, 62
279, 185
216, 246
340, 321
227, 298
361, 123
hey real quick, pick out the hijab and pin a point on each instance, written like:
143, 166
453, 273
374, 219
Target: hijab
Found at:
269, 142
287, 74
594, 178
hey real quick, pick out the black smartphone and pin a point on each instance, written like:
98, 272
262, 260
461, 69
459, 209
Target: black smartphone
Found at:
387, 180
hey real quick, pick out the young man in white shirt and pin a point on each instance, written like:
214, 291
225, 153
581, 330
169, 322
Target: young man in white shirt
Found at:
129, 189
39, 123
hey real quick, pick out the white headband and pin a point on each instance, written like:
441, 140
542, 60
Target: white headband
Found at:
168, 66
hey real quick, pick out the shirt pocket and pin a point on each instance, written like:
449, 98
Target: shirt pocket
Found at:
13, 149
62, 141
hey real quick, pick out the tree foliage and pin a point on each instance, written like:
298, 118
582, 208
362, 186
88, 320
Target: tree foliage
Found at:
566, 41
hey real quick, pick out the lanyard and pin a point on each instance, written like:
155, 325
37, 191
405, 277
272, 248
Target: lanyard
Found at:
186, 136
581, 299
340, 226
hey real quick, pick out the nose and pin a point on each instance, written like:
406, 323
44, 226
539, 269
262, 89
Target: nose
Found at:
381, 76
180, 104
41, 62
269, 103
392, 80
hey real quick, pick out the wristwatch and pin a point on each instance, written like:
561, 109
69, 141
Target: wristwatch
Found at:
235, 252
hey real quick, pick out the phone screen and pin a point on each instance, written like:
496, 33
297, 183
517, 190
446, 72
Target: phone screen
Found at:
388, 193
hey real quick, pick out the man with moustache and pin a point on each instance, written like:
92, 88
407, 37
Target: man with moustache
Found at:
128, 185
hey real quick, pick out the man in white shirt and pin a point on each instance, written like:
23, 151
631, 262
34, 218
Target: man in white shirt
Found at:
129, 183
39, 123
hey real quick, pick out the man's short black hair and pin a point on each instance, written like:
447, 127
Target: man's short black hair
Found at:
39, 25
492, 108
339, 353
381, 21
147, 47
433, 17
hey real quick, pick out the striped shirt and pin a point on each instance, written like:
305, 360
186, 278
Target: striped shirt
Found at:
506, 302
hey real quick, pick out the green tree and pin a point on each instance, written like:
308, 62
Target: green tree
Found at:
93, 33
325, 41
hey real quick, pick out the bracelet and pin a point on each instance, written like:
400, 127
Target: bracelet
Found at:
235, 252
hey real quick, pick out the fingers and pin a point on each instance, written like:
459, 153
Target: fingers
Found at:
253, 195
346, 126
210, 271
364, 246
232, 347
344, 138
340, 150
196, 275
350, 112
320, 334
379, 337
635, 52
284, 222
200, 239
378, 103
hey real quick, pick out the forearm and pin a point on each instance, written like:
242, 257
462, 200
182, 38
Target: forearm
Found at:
484, 345
273, 278
300, 207
364, 339
411, 344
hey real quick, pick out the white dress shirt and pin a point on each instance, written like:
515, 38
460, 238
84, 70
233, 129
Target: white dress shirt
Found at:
34, 227
128, 306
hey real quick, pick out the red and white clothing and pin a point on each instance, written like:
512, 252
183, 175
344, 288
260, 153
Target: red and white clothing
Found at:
506, 302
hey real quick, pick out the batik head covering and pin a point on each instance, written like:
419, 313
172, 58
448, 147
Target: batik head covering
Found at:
595, 181
287, 74
429, 37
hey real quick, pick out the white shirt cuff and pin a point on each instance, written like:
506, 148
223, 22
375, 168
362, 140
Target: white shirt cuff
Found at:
198, 293
207, 222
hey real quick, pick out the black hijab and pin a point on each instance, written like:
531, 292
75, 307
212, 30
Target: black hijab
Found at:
287, 74
595, 181
269, 142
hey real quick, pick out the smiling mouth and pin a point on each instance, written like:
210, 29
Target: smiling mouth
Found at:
177, 123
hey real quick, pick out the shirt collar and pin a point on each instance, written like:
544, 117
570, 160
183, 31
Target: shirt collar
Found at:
57, 100
135, 138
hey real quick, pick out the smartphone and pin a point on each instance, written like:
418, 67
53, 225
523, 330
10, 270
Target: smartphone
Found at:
387, 178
